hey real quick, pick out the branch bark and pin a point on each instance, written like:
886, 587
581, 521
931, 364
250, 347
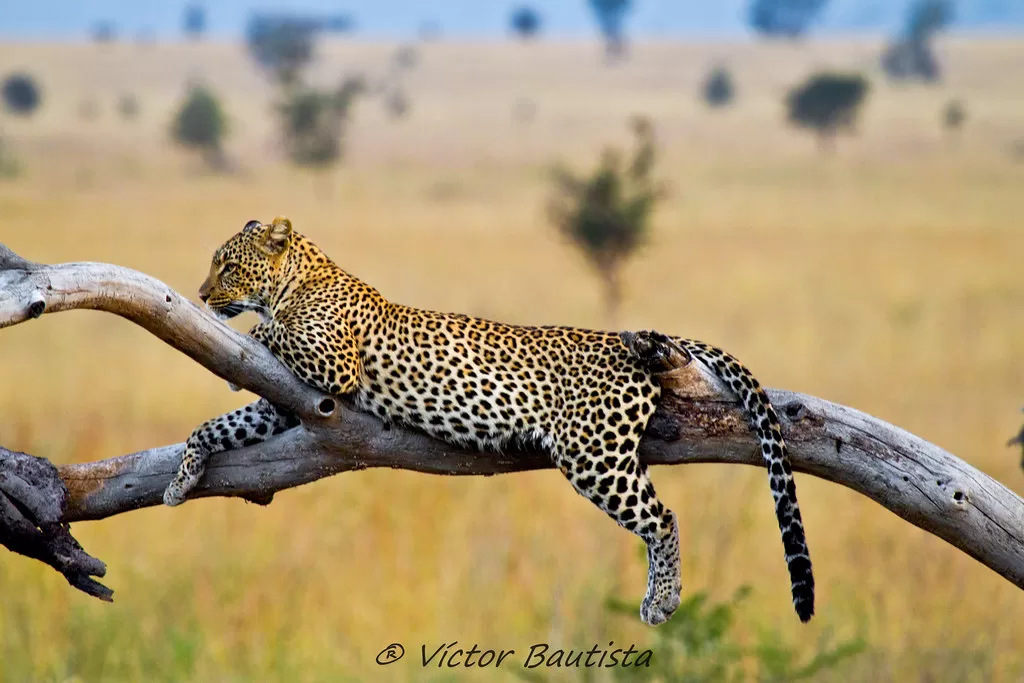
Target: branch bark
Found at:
918, 481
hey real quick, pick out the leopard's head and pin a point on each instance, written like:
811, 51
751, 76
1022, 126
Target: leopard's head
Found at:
244, 272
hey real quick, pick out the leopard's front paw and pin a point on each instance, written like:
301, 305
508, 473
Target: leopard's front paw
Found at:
187, 477
174, 495
177, 491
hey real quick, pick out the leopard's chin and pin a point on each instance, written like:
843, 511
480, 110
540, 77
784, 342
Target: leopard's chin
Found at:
228, 311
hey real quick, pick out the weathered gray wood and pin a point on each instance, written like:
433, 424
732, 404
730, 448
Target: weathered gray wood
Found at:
32, 503
917, 480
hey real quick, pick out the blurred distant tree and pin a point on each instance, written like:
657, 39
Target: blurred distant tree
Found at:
909, 61
397, 103
313, 123
194, 21
351, 88
9, 166
104, 32
21, 94
926, 17
611, 15
200, 124
403, 60
525, 22
606, 215
910, 57
783, 18
953, 116
827, 103
394, 93
281, 46
128, 106
718, 90
312, 127
405, 57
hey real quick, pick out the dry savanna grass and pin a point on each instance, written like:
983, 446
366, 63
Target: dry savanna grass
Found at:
887, 277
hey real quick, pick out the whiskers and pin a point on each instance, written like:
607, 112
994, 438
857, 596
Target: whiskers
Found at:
228, 311
234, 308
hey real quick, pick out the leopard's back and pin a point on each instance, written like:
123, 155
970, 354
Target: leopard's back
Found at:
483, 383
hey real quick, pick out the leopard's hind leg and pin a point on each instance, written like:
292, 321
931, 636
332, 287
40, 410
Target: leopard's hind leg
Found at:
617, 482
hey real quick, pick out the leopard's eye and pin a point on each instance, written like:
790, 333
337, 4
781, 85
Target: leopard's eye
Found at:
228, 268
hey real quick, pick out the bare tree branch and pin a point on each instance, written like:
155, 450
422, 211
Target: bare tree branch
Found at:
917, 480
28, 290
32, 503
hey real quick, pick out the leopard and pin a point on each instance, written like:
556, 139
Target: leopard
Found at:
584, 397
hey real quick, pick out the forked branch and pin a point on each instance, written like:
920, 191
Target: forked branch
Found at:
917, 480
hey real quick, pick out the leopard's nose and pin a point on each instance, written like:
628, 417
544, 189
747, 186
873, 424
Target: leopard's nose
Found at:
203, 295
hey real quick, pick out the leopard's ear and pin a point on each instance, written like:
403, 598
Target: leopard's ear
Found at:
277, 236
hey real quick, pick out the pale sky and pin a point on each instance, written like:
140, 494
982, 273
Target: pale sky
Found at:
399, 19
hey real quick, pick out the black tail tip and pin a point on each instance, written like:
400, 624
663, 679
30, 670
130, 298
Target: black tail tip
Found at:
804, 606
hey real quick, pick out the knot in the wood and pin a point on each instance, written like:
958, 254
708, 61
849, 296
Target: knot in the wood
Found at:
37, 306
326, 407
795, 411
664, 427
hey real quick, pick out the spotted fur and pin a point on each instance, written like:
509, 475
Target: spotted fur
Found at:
655, 351
584, 396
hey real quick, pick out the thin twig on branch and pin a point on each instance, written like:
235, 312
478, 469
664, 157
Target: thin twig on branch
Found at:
917, 480
1019, 441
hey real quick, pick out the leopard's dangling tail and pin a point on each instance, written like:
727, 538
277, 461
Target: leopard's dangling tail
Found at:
773, 447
